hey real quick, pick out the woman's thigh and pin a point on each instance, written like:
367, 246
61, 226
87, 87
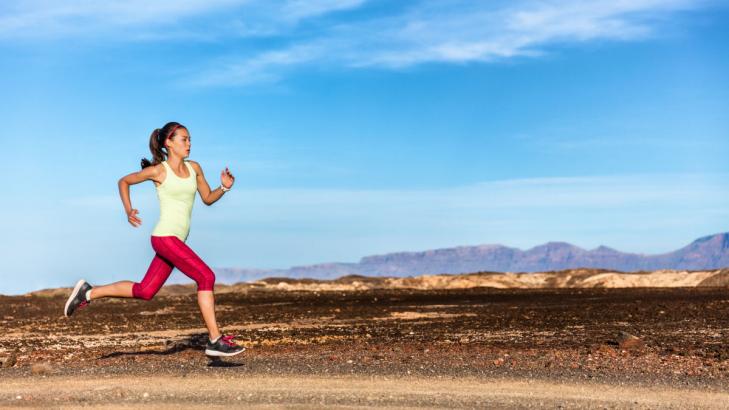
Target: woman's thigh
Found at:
184, 259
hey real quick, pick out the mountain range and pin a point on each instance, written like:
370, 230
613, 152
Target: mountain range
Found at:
709, 252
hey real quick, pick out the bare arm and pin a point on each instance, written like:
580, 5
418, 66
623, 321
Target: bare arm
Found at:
149, 173
210, 197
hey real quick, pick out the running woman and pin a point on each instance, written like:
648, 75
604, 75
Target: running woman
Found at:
176, 180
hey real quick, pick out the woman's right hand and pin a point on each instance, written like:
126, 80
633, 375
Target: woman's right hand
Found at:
132, 217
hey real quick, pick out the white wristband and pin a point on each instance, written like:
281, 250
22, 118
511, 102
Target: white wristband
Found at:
224, 188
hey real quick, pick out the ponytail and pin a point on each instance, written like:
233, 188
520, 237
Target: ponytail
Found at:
157, 143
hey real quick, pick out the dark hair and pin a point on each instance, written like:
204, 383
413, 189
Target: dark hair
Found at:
157, 143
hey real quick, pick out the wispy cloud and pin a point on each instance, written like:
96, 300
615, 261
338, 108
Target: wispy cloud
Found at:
471, 32
265, 67
159, 19
43, 18
412, 33
301, 9
548, 193
452, 32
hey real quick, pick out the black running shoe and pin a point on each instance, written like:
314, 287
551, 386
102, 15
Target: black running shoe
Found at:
77, 300
223, 346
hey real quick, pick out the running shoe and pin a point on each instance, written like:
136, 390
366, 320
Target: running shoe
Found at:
223, 346
77, 300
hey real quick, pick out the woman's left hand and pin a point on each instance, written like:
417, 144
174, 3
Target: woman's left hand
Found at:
226, 178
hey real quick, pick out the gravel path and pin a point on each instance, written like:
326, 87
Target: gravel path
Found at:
344, 391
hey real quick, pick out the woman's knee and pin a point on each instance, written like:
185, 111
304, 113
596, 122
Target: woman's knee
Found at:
207, 280
143, 293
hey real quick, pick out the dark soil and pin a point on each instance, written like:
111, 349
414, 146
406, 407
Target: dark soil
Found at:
550, 334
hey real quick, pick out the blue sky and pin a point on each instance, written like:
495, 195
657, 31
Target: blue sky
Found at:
361, 127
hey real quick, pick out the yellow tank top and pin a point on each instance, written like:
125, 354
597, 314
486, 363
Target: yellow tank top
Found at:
176, 196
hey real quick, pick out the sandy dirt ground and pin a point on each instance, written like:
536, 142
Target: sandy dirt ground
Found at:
475, 348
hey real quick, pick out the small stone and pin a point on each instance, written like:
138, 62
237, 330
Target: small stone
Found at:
145, 395
11, 359
628, 341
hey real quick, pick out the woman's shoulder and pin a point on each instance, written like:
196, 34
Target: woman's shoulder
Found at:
160, 167
194, 165
155, 172
154, 169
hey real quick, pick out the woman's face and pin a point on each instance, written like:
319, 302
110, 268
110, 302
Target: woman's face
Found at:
179, 143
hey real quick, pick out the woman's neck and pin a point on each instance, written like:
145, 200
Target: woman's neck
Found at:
174, 162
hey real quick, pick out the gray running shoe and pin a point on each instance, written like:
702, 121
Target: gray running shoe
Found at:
223, 346
77, 300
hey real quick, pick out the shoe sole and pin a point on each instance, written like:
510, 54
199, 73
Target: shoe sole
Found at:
216, 353
73, 296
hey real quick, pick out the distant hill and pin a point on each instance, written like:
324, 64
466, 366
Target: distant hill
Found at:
707, 253
570, 278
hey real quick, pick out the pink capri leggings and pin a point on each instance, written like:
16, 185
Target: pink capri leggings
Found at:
172, 253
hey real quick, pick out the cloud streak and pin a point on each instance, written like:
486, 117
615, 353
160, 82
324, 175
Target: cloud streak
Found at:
44, 19
125, 20
301, 9
409, 34
563, 194
453, 32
